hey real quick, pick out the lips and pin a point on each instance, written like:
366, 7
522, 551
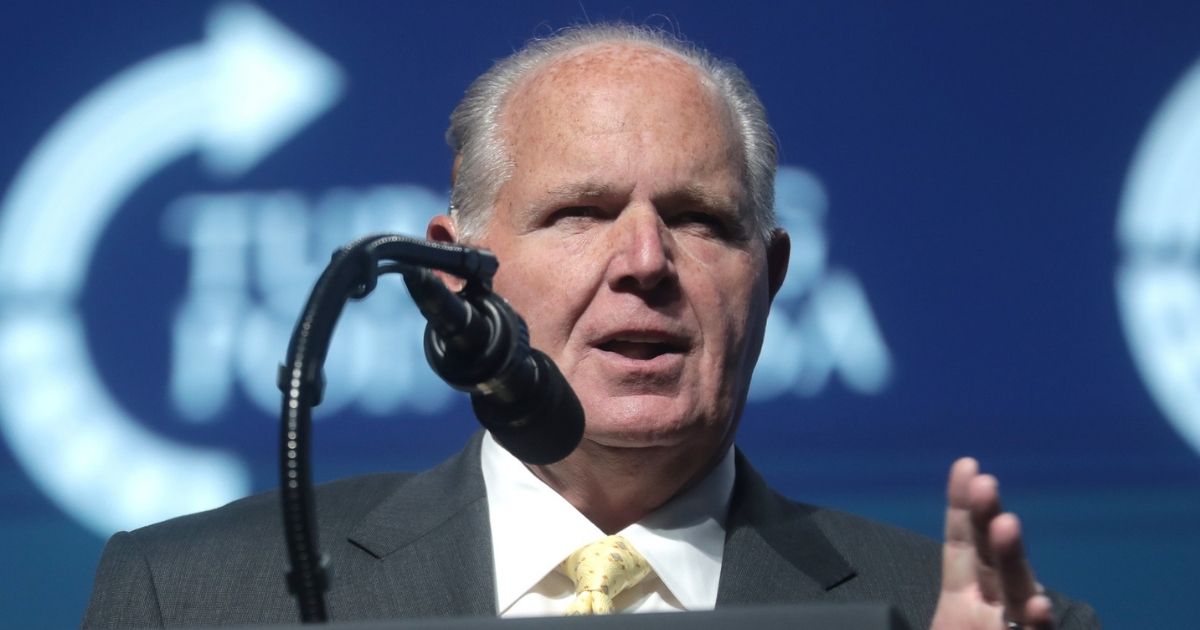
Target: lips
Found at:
643, 345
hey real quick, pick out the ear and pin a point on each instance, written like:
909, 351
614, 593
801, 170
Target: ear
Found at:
441, 229
779, 250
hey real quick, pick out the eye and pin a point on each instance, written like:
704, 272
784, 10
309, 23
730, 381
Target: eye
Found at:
702, 221
578, 211
702, 218
574, 213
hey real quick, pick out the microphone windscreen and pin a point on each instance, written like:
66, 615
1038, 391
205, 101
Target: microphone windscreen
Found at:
541, 428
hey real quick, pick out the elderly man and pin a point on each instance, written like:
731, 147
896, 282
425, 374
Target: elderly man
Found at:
624, 180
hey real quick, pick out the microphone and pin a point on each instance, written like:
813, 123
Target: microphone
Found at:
477, 343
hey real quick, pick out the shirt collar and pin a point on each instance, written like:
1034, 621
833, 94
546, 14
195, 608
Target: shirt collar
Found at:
534, 529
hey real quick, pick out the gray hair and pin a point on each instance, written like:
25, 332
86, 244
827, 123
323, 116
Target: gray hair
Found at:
475, 133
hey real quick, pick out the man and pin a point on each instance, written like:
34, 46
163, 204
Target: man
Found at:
624, 181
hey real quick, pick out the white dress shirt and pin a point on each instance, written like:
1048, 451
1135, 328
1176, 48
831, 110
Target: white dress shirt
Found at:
534, 530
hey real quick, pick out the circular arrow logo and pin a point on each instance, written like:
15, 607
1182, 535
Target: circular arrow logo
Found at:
1158, 277
234, 97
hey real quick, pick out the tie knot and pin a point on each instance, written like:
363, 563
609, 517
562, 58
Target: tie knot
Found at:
601, 571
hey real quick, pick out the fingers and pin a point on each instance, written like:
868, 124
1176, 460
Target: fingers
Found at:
984, 550
984, 501
1039, 613
984, 495
958, 554
958, 500
966, 557
1022, 594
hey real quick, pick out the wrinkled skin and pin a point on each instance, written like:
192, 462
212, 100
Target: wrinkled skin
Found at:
625, 244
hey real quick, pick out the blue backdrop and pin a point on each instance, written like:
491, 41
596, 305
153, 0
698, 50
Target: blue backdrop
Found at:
995, 210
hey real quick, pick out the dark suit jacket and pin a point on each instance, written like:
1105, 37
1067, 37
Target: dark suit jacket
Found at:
405, 546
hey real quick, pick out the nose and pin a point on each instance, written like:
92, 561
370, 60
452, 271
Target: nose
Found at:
642, 251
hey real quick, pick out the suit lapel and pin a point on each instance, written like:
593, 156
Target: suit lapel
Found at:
426, 550
774, 551
430, 546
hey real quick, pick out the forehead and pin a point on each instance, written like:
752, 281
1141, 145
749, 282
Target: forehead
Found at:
599, 75
614, 60
618, 102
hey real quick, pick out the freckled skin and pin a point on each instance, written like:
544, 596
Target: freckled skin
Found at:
598, 231
616, 149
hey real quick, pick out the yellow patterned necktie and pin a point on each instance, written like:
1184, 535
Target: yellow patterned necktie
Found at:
601, 571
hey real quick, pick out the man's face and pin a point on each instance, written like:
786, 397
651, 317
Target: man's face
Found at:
623, 244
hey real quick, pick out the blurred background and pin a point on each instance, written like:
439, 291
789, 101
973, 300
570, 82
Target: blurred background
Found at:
995, 210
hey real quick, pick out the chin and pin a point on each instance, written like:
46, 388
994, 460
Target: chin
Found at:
646, 422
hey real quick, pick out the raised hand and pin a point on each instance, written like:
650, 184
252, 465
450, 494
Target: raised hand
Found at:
987, 583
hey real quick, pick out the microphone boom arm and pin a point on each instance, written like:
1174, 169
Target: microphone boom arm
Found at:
352, 274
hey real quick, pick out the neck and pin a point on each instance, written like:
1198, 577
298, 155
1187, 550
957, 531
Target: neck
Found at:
615, 487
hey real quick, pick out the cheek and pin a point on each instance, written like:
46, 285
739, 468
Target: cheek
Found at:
734, 316
548, 288
729, 360
526, 292
750, 327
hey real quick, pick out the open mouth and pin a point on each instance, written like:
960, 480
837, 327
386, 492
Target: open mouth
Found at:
641, 350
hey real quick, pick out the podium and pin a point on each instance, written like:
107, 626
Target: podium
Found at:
857, 616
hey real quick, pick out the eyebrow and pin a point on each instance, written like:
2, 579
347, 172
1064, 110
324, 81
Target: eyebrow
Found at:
582, 190
693, 194
701, 196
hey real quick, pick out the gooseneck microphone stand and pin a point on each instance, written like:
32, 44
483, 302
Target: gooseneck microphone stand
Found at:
352, 274
477, 343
